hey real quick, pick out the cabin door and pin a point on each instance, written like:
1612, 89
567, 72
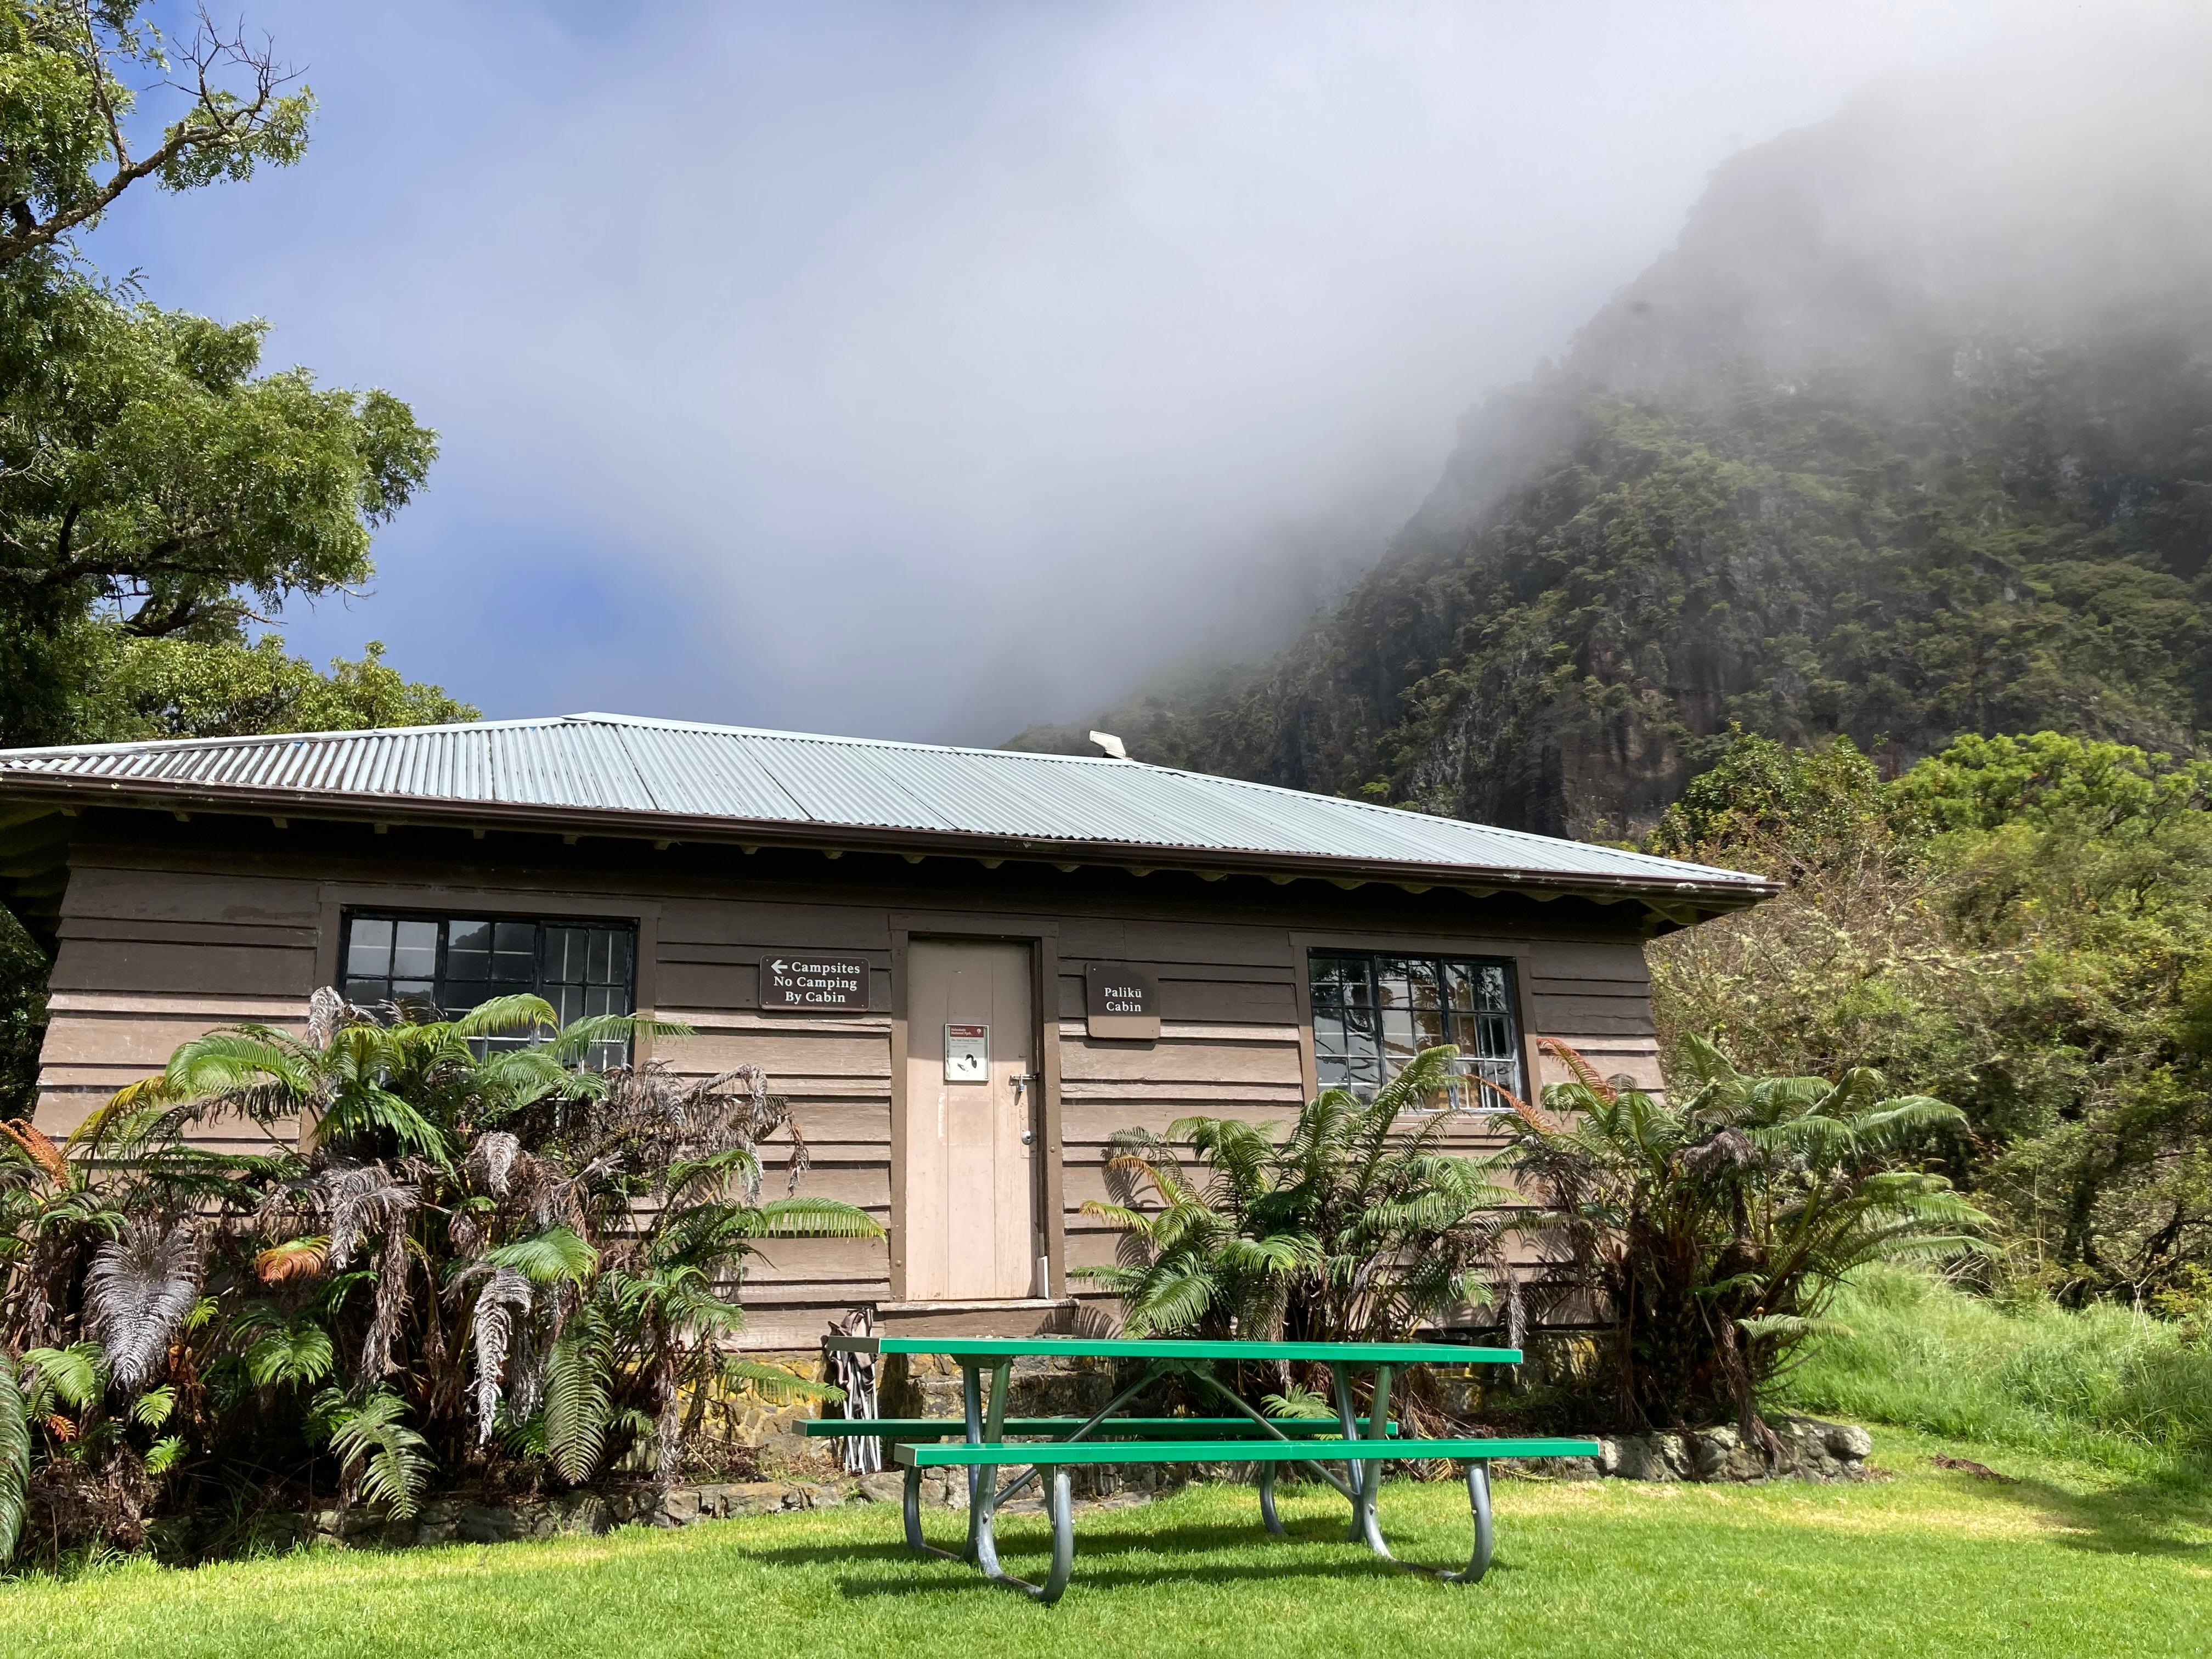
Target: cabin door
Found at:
969, 1221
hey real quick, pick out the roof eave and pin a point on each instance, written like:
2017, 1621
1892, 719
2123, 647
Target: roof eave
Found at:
354, 807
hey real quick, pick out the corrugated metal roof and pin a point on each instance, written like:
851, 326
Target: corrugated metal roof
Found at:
615, 764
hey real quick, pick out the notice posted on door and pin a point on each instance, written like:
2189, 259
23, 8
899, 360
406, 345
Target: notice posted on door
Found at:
967, 1054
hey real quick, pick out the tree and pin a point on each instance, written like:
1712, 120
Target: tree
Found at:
2019, 926
171, 688
158, 489
65, 149
155, 483
154, 486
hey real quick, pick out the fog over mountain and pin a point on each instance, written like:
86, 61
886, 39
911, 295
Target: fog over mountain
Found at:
927, 370
1910, 433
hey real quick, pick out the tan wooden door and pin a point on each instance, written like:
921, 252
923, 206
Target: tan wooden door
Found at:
969, 1223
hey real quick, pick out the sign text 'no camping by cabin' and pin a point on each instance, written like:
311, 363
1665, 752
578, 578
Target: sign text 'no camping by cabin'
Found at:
1123, 1000
798, 979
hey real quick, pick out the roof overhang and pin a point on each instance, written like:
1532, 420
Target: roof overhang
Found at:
1684, 900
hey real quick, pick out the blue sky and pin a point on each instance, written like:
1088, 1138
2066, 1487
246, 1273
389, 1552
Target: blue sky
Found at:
923, 371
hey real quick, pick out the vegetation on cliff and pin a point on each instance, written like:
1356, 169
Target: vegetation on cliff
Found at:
1876, 451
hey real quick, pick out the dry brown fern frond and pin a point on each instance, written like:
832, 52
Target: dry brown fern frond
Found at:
1534, 1115
36, 1146
1585, 1074
295, 1258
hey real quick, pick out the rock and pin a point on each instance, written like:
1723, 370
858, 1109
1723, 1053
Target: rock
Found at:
1644, 1457
680, 1508
887, 1487
1849, 1443
755, 1497
1811, 1450
487, 1524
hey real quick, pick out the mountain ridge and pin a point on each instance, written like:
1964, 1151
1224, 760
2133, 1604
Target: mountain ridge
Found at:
1900, 441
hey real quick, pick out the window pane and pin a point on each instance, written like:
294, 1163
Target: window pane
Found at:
1373, 1014
468, 949
414, 950
460, 995
368, 951
1490, 993
445, 966
514, 953
415, 996
564, 955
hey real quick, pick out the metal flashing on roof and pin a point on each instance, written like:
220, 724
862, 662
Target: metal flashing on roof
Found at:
602, 770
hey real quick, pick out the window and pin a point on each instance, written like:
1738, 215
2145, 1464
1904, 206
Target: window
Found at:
1373, 1013
451, 963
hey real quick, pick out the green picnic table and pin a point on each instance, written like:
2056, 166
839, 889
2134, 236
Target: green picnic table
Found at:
1361, 1445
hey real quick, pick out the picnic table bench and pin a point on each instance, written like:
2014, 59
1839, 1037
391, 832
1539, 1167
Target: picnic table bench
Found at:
1361, 1444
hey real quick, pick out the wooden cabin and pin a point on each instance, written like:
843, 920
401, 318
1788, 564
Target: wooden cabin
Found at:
965, 967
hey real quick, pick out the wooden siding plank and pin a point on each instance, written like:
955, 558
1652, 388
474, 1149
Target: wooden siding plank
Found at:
183, 895
111, 965
1091, 1060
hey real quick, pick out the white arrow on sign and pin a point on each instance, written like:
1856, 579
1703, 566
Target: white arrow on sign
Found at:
777, 964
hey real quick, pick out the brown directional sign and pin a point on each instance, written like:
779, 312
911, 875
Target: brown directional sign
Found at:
1123, 1000
814, 981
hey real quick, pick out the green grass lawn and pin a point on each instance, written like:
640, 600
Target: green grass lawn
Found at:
2073, 1560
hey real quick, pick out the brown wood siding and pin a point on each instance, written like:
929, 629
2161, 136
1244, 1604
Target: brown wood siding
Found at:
168, 931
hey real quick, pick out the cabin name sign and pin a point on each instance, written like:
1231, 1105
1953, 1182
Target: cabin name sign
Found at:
800, 979
1122, 1001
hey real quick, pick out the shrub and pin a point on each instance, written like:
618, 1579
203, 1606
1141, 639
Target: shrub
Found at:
1706, 1239
451, 1254
1352, 1227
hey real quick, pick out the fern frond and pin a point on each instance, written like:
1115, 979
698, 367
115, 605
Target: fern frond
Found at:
579, 1401
14, 1456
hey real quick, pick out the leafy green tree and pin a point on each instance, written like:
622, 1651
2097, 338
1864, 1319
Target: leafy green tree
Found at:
159, 488
2020, 926
68, 95
172, 688
155, 483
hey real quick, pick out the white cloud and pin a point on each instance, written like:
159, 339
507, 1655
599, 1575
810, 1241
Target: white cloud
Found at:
925, 371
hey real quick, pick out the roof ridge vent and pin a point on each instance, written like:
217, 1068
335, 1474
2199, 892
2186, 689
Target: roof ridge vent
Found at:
1113, 746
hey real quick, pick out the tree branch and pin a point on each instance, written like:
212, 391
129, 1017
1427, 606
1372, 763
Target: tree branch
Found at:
207, 125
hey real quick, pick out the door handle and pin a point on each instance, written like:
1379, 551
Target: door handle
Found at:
1022, 1081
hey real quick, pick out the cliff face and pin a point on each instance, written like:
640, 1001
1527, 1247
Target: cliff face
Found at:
1910, 435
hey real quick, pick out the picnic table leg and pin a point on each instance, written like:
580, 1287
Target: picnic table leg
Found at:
1152, 1374
1366, 1527
912, 1506
1267, 1516
1060, 1510
1486, 1536
984, 1424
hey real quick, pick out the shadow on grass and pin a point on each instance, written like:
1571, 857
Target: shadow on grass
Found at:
2143, 1517
1092, 1553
